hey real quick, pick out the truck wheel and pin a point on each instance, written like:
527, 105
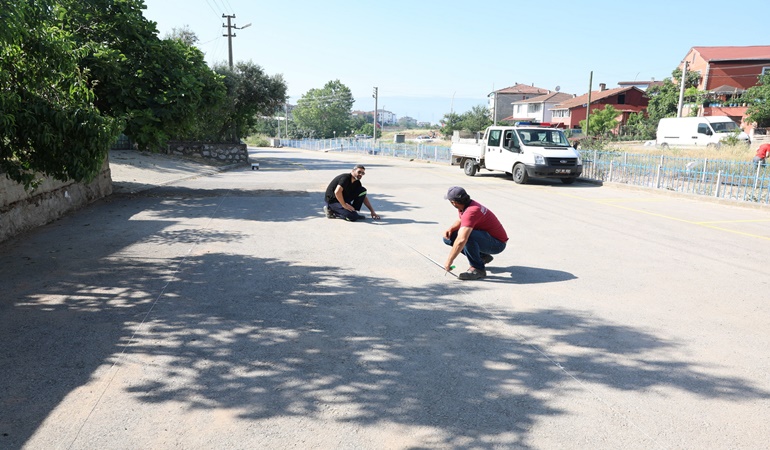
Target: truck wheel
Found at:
568, 180
519, 173
469, 167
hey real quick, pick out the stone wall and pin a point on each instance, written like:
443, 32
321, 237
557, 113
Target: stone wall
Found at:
216, 153
21, 210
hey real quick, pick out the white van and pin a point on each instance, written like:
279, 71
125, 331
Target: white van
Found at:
696, 131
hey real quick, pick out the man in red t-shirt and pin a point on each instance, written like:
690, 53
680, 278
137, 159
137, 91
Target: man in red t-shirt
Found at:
476, 233
762, 152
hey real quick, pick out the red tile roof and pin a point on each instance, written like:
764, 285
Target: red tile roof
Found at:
552, 97
522, 89
734, 53
595, 96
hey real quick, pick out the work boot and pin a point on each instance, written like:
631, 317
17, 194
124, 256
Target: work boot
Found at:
473, 274
328, 212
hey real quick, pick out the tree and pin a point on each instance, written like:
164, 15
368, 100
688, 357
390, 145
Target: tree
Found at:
477, 119
156, 86
639, 127
49, 122
603, 121
251, 93
325, 110
759, 98
450, 123
184, 34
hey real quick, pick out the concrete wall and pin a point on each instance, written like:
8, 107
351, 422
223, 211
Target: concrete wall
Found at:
21, 210
219, 153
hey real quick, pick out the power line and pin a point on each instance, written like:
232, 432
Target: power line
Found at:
212, 8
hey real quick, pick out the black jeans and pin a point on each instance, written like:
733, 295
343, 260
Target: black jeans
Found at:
355, 198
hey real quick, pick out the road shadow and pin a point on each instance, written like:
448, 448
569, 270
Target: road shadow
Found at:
269, 338
526, 275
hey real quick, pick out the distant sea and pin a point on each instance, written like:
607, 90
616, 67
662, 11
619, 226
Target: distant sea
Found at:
422, 109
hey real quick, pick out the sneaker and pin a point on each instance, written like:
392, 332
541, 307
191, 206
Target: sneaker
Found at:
328, 212
486, 258
473, 274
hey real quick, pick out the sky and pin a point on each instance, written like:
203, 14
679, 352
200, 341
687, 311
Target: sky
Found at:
428, 58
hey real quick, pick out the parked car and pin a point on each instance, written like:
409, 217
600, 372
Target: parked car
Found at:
363, 136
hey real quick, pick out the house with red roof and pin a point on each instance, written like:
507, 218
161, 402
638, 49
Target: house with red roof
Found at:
627, 100
537, 109
501, 101
726, 72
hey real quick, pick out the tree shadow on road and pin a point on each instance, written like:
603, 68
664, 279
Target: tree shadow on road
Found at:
269, 338
273, 339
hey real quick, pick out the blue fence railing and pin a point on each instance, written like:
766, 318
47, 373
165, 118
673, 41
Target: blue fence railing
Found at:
732, 180
367, 146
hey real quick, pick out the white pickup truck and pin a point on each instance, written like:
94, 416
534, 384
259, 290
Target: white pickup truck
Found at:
523, 150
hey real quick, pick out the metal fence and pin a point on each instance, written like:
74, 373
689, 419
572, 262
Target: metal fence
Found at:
732, 180
422, 151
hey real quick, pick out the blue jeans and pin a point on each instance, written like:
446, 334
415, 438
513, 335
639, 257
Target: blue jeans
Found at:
479, 243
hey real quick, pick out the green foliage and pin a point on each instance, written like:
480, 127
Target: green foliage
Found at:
49, 122
732, 139
358, 122
639, 127
368, 129
450, 123
325, 111
664, 100
407, 123
477, 119
601, 122
758, 98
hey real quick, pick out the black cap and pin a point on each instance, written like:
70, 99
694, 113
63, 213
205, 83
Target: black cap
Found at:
456, 193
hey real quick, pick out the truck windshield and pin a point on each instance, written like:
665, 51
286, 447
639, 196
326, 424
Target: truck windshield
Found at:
724, 127
543, 137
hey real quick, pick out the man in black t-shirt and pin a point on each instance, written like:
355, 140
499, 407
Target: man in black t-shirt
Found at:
345, 195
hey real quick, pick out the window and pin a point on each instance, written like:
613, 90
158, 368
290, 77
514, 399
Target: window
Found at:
703, 128
765, 70
560, 113
534, 107
621, 99
494, 138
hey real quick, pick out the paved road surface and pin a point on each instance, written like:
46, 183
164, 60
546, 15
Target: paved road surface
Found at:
223, 310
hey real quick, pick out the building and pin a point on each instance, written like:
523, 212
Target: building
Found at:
385, 117
538, 109
627, 100
726, 72
501, 101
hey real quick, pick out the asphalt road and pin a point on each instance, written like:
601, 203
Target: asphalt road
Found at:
225, 311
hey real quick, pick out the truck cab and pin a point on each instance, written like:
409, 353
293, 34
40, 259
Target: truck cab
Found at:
524, 150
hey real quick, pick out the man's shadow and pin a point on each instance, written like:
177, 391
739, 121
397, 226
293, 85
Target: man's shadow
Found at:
526, 275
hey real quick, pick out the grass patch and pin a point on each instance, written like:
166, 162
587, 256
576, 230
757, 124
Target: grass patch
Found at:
737, 152
257, 140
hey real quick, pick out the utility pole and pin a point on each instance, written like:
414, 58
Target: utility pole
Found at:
681, 91
230, 35
588, 107
374, 135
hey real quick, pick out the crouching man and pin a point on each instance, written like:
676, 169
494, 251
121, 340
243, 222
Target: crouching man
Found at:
345, 195
476, 233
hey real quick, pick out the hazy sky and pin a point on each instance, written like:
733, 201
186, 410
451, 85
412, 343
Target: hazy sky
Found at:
427, 57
